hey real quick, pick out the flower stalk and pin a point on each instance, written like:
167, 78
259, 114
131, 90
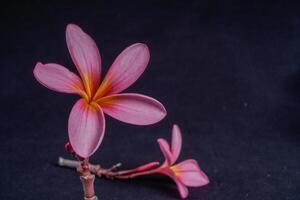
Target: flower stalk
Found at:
87, 180
110, 173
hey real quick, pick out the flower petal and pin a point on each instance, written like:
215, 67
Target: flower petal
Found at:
85, 55
190, 173
125, 70
176, 142
183, 190
165, 149
58, 78
133, 108
86, 128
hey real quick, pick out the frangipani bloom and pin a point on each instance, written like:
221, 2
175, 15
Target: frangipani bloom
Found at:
86, 124
186, 173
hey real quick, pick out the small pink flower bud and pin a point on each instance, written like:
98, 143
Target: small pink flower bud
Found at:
69, 148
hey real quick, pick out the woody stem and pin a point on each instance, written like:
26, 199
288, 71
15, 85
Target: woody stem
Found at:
87, 180
108, 173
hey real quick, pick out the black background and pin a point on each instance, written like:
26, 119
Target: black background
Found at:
226, 71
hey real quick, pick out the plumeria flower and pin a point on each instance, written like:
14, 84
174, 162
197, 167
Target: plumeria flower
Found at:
186, 173
86, 124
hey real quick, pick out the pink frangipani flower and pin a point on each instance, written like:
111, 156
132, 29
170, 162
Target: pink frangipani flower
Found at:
185, 173
86, 124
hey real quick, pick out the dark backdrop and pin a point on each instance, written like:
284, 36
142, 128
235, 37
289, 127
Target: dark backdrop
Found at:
227, 72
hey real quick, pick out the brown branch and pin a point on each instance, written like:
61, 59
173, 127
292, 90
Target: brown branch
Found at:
95, 169
108, 173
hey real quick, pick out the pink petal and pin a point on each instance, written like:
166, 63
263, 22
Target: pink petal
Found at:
165, 149
133, 108
176, 142
58, 78
125, 70
183, 190
86, 128
85, 55
190, 173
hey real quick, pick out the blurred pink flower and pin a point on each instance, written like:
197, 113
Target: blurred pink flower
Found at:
86, 124
185, 173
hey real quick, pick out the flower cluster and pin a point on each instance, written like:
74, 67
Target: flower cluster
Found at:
86, 125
